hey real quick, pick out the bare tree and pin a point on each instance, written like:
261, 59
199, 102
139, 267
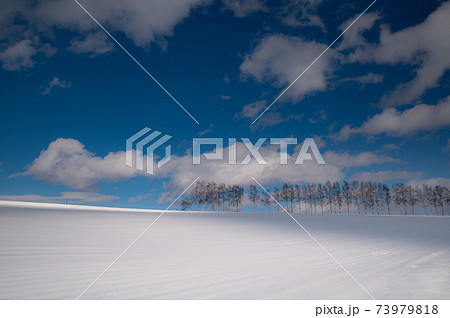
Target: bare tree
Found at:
229, 196
211, 195
221, 189
337, 197
186, 204
198, 193
254, 196
329, 194
320, 196
387, 197
373, 197
400, 197
379, 202
285, 195
298, 193
237, 193
277, 196
267, 200
412, 197
291, 196
355, 194
440, 197
346, 193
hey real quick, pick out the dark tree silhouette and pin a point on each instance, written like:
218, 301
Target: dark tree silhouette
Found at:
355, 196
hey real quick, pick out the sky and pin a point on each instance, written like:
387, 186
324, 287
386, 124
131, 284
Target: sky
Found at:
377, 102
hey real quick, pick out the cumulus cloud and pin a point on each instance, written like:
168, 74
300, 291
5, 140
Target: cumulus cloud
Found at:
353, 39
301, 13
182, 172
318, 117
142, 21
242, 8
272, 118
145, 22
393, 122
93, 44
18, 56
251, 110
280, 59
205, 132
387, 175
366, 158
56, 82
69, 197
424, 46
418, 182
67, 162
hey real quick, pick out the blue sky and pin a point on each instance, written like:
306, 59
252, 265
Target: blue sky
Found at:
377, 102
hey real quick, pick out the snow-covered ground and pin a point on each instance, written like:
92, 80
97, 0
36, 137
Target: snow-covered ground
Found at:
49, 252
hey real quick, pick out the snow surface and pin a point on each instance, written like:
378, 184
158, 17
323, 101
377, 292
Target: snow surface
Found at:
49, 252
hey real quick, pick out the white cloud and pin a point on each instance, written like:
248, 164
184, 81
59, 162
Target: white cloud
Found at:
140, 197
56, 82
363, 80
269, 119
252, 110
382, 176
353, 39
301, 13
319, 140
280, 59
145, 22
18, 56
391, 146
396, 123
243, 8
366, 158
67, 162
69, 197
424, 46
142, 21
182, 172
206, 131
93, 44
318, 117
417, 182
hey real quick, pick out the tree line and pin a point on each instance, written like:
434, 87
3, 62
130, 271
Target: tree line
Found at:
362, 197
213, 196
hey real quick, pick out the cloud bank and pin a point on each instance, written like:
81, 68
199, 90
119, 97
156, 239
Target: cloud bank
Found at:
393, 122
